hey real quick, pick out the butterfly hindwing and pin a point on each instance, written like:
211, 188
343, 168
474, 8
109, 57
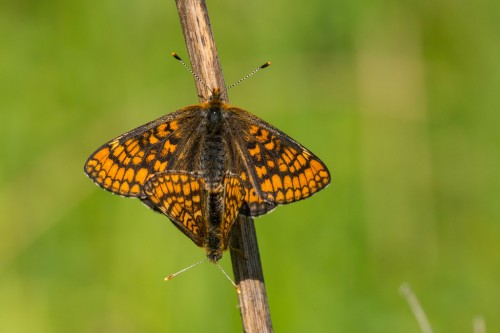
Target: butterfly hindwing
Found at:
233, 200
181, 197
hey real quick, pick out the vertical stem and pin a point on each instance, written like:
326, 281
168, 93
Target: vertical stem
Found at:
254, 308
200, 44
248, 274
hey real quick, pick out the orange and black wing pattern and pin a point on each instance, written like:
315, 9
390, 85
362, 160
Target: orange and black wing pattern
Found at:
181, 197
275, 168
234, 195
124, 164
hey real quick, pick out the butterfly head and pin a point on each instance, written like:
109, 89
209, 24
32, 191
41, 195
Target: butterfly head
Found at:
216, 95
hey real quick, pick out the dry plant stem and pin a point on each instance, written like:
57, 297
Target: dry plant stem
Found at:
245, 258
479, 325
248, 274
416, 308
200, 44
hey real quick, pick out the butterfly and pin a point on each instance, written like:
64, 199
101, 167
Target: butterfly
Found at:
203, 165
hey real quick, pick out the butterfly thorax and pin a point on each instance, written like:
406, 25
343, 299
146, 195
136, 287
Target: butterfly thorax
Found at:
212, 157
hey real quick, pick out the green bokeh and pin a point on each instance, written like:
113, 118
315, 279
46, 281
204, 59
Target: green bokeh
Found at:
400, 100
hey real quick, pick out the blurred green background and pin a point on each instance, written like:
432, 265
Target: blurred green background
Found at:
400, 100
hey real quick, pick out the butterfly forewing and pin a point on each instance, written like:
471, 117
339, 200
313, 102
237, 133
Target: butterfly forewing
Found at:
254, 204
279, 170
123, 165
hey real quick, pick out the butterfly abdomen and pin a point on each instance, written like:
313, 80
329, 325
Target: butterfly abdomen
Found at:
214, 203
213, 242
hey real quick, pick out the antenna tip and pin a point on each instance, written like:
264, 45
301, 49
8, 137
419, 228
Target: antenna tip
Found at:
176, 56
170, 277
267, 64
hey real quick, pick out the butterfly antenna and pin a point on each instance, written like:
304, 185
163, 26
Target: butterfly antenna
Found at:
231, 280
267, 64
197, 78
171, 276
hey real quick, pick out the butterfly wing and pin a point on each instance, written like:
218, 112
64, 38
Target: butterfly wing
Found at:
181, 197
276, 169
123, 165
234, 195
254, 204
